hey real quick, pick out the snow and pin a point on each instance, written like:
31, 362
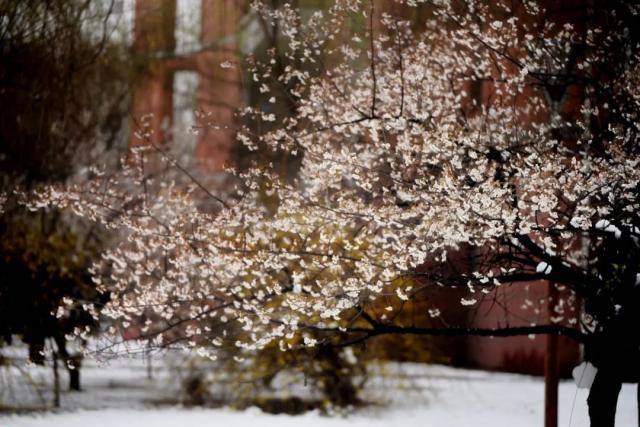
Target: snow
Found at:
429, 395
584, 374
607, 226
543, 267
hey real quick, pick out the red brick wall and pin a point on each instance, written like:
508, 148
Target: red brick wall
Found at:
219, 91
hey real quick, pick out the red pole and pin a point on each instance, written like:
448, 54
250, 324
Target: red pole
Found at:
551, 368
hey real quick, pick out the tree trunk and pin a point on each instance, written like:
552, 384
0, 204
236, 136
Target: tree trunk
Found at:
603, 399
74, 378
56, 382
71, 363
336, 378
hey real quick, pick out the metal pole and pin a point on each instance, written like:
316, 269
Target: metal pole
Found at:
551, 368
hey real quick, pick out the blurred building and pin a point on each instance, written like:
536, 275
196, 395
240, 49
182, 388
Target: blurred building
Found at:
187, 84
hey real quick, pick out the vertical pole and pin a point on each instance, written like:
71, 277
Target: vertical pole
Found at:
56, 381
149, 367
551, 368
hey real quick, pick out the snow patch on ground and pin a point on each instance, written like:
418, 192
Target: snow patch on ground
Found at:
119, 394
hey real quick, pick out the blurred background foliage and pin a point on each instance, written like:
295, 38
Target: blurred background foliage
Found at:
64, 92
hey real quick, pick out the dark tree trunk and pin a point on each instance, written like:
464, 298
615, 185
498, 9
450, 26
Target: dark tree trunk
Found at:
74, 378
336, 378
603, 399
71, 363
56, 382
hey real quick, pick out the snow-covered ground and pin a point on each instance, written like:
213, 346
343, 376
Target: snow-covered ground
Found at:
120, 394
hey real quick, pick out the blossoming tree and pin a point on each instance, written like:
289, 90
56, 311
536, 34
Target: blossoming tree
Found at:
507, 127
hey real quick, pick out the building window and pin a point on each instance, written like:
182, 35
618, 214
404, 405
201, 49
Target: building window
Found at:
188, 22
185, 102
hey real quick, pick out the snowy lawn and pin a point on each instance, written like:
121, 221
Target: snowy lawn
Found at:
426, 396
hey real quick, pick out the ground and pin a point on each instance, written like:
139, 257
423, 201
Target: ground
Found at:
120, 394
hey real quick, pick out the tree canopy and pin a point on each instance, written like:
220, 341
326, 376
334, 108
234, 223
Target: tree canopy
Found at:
506, 128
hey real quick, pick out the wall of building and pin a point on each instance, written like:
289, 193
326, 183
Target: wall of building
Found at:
171, 55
